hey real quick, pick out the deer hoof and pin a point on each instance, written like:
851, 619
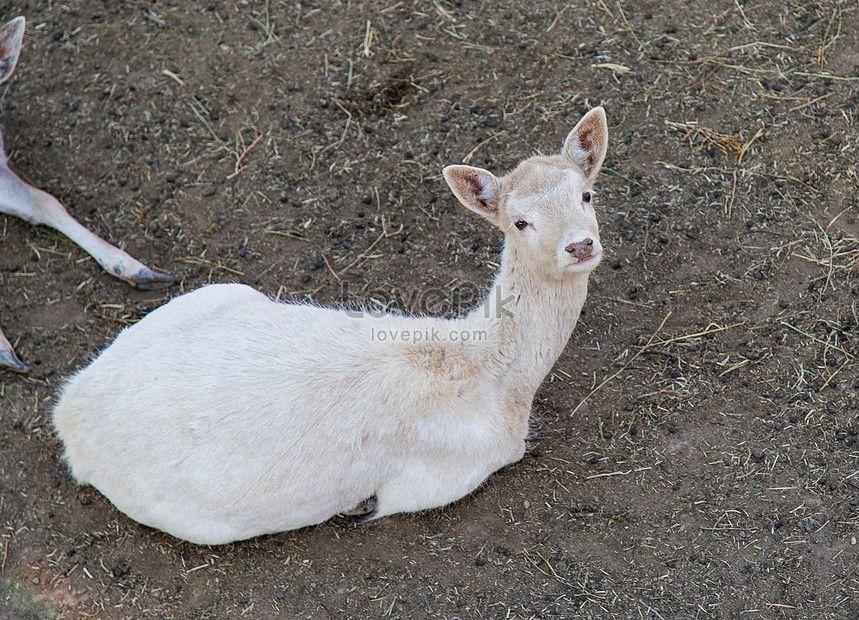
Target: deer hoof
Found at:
9, 360
364, 509
147, 280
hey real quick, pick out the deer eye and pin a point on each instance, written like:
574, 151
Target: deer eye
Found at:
520, 224
586, 196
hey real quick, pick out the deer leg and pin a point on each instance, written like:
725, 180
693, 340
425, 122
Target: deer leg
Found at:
35, 206
8, 359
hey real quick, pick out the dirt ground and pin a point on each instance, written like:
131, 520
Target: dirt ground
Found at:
714, 473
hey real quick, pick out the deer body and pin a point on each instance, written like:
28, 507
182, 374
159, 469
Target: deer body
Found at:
259, 416
22, 200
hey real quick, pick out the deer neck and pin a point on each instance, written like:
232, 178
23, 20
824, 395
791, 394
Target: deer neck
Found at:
529, 320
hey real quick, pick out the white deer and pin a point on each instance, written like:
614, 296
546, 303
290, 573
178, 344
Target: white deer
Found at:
225, 415
37, 207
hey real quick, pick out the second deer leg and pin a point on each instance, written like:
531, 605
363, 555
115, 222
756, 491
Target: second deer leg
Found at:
37, 207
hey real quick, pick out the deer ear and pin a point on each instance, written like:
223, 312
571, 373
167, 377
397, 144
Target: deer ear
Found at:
11, 36
476, 188
587, 143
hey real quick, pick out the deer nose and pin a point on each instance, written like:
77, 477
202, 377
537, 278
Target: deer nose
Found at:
581, 249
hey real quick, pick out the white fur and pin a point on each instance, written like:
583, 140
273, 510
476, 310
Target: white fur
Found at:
576, 150
225, 415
